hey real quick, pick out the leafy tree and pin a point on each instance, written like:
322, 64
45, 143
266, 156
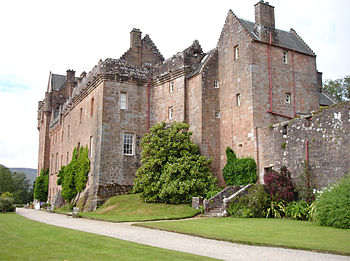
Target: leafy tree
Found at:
15, 183
339, 89
42, 186
172, 169
73, 177
237, 171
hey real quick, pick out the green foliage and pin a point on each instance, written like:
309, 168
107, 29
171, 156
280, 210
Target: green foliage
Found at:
7, 195
333, 206
7, 204
237, 171
42, 185
73, 177
276, 209
253, 204
339, 89
306, 184
284, 145
298, 210
172, 169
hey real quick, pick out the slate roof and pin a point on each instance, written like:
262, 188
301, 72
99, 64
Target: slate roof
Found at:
286, 39
57, 81
324, 100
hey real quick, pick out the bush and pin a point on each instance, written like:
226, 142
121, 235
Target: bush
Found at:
333, 206
306, 184
7, 204
253, 204
298, 210
276, 209
237, 171
41, 186
280, 185
172, 169
7, 195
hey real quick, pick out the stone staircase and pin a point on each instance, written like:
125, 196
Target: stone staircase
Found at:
217, 205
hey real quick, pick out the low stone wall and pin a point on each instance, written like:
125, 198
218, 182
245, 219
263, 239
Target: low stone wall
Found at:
217, 200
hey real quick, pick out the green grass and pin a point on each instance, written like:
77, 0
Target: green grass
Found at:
130, 207
24, 239
261, 231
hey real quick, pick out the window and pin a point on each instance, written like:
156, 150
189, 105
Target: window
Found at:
128, 143
62, 136
285, 57
236, 52
123, 101
90, 146
288, 97
217, 114
216, 84
68, 132
67, 160
61, 160
171, 87
92, 107
56, 167
171, 113
238, 99
81, 115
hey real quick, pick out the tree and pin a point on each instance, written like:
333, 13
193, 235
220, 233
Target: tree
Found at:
237, 171
42, 186
15, 183
339, 89
172, 169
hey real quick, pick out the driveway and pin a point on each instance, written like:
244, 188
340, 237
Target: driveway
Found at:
175, 241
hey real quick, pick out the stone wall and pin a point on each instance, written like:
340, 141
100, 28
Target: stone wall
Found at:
327, 133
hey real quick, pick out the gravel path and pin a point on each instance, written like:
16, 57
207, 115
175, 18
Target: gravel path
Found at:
175, 241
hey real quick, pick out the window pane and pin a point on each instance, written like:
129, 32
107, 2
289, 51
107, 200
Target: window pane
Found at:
128, 144
123, 100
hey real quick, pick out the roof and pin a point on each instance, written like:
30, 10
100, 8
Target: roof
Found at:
289, 40
201, 65
324, 99
57, 81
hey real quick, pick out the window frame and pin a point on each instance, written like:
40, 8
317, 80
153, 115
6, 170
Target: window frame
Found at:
238, 100
285, 57
130, 145
217, 114
171, 112
236, 52
216, 84
122, 102
288, 97
171, 86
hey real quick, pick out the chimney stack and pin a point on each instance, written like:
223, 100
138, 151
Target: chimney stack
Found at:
135, 47
265, 22
70, 82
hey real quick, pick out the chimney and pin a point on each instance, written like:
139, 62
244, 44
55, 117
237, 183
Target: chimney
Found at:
265, 22
70, 82
135, 38
135, 47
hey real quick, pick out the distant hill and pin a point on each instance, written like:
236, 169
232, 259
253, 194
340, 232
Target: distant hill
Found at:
30, 173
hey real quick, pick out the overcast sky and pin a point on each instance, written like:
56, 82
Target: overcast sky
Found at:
42, 36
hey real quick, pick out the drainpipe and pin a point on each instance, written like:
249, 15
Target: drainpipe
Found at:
270, 85
293, 81
307, 161
149, 83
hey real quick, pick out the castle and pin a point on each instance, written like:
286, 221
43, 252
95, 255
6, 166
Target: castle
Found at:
256, 76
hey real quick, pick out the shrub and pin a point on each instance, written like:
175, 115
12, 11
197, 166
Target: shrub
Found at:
7, 204
298, 210
172, 169
41, 186
276, 209
237, 171
253, 204
306, 184
7, 195
333, 206
280, 185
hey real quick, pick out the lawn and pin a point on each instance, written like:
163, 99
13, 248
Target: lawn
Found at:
261, 231
131, 208
24, 239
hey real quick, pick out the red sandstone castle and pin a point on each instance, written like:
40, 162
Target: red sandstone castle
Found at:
256, 76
